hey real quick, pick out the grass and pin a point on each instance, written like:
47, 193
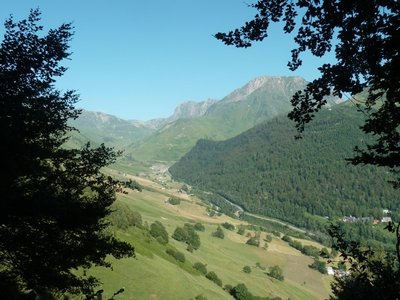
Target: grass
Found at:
156, 275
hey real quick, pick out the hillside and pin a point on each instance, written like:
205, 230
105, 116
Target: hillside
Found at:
98, 128
259, 100
266, 171
154, 274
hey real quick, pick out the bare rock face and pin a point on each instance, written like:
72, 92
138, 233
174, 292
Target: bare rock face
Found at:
191, 109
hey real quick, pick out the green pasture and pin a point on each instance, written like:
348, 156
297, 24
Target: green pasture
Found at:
153, 274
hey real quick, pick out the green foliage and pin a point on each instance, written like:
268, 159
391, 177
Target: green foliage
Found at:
276, 272
251, 171
228, 288
268, 238
276, 233
253, 241
188, 235
123, 217
180, 234
174, 201
54, 200
228, 226
179, 256
240, 292
219, 233
374, 273
185, 188
324, 253
296, 245
158, 231
202, 268
132, 184
214, 278
310, 251
365, 31
241, 229
200, 297
199, 227
247, 269
318, 265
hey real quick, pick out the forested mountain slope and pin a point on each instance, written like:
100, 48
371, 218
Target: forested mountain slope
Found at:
267, 171
261, 99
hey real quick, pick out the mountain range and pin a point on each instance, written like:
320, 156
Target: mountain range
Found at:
167, 139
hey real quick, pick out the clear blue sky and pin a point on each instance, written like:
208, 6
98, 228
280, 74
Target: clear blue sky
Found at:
140, 59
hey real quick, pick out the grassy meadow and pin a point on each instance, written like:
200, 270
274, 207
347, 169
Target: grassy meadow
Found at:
153, 274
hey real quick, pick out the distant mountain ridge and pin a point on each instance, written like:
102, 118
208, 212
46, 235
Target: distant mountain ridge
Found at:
98, 127
259, 100
167, 139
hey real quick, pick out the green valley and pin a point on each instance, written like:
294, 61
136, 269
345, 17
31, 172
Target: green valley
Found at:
153, 274
267, 171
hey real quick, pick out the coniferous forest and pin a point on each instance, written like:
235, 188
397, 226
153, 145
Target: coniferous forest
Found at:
267, 171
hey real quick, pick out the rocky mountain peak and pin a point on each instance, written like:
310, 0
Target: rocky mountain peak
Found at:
282, 83
191, 109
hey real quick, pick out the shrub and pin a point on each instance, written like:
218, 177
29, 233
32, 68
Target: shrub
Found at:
276, 233
180, 234
318, 265
296, 244
276, 272
325, 253
157, 229
219, 233
202, 268
188, 235
199, 227
247, 269
185, 188
179, 256
241, 230
268, 238
214, 277
310, 251
123, 217
253, 241
240, 292
287, 238
200, 297
228, 226
228, 288
132, 184
174, 201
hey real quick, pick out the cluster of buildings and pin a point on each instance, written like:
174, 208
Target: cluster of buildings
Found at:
386, 218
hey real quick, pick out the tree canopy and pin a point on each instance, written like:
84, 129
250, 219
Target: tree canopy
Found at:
54, 200
365, 37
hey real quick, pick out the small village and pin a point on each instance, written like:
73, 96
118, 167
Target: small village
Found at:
386, 218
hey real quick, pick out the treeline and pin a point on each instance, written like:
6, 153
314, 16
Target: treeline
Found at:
266, 171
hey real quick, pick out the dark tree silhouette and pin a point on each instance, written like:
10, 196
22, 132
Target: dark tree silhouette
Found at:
365, 37
53, 200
